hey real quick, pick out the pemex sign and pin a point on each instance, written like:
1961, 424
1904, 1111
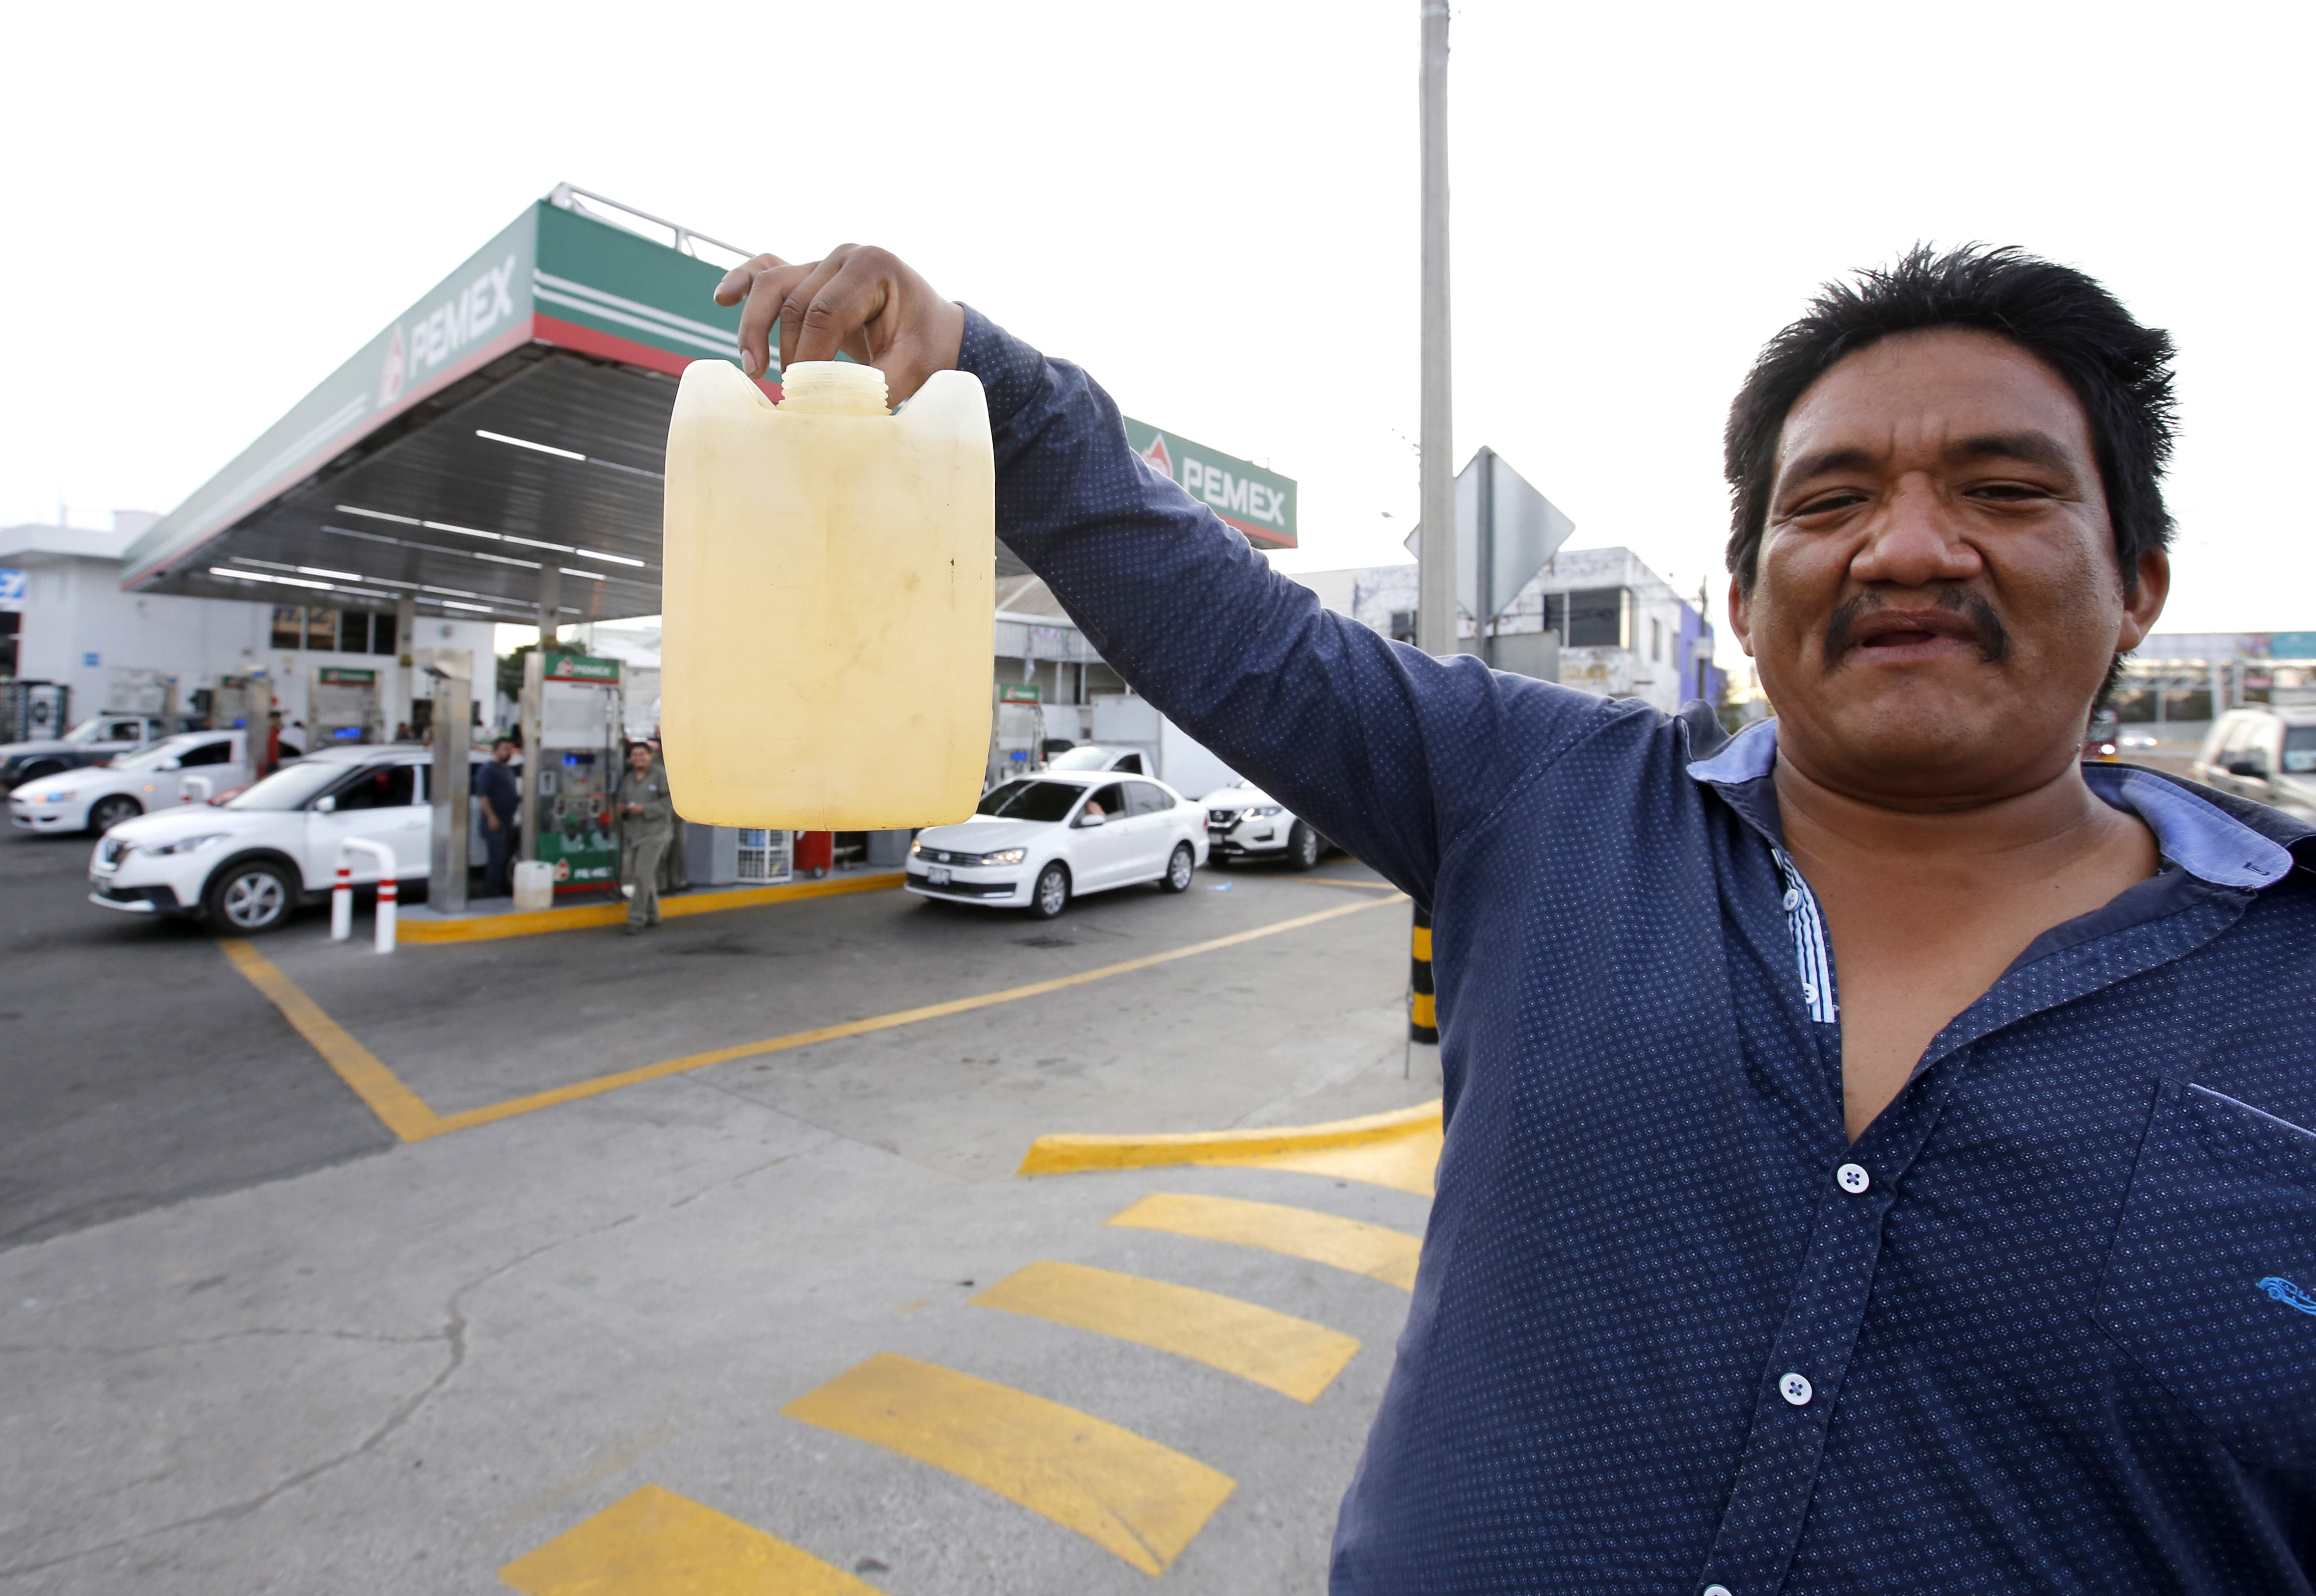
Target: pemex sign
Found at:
1259, 503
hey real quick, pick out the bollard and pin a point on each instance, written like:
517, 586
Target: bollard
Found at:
342, 895
1422, 1016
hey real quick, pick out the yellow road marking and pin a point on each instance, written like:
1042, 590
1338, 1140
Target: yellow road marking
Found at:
1127, 1494
1292, 1356
408, 1116
1407, 1165
1065, 1154
1370, 1250
655, 1543
1339, 881
531, 922
402, 1111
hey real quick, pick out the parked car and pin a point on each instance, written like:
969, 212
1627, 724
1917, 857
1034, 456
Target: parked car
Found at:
97, 798
92, 742
1038, 841
2264, 753
1100, 756
1244, 822
244, 866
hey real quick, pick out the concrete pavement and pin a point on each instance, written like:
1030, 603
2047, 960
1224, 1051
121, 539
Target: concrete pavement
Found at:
412, 1370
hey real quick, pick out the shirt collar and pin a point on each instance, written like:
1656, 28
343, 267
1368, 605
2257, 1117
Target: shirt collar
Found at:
2206, 841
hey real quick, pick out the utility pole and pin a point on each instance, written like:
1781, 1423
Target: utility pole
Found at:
1435, 550
1435, 612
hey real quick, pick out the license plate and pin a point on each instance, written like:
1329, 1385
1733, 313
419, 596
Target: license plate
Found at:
936, 877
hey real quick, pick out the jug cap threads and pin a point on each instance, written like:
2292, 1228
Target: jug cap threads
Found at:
833, 388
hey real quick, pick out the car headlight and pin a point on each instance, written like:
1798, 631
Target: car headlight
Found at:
58, 797
188, 844
1006, 856
1264, 811
915, 847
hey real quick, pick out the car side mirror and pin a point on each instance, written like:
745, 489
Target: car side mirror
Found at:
326, 805
173, 764
2247, 767
1094, 819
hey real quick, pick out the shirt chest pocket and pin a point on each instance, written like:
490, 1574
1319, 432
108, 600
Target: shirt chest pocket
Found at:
2210, 1284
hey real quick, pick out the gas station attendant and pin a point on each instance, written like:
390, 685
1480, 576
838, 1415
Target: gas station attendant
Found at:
1881, 1150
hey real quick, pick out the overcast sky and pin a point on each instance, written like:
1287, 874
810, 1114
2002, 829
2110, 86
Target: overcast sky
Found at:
1211, 206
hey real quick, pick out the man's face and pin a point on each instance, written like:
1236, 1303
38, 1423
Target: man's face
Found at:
1936, 599
639, 760
502, 753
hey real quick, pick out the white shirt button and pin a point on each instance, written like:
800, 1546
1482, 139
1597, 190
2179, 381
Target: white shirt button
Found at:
1793, 901
1717, 1590
1853, 1179
1794, 1388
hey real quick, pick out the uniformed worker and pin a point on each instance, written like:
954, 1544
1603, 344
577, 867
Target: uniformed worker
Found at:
646, 820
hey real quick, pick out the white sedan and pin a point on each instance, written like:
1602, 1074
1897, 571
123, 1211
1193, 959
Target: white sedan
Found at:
98, 797
1036, 842
245, 865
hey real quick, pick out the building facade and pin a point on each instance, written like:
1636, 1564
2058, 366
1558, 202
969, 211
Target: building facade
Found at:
1623, 631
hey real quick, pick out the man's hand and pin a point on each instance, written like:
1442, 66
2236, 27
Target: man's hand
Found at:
861, 300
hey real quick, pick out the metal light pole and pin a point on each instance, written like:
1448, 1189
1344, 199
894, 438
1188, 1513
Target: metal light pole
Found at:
1435, 610
1435, 550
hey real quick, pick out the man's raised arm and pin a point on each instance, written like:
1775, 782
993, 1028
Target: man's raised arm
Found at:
1384, 749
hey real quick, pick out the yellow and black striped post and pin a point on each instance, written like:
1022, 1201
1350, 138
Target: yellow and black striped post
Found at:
1422, 1017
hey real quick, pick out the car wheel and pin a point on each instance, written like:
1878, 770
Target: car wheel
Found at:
250, 897
1303, 847
108, 812
1177, 877
1051, 894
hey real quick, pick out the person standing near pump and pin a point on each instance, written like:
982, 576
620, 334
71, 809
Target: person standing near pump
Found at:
501, 799
646, 820
270, 760
1880, 1148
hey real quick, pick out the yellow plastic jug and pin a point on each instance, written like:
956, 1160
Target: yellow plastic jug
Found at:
827, 585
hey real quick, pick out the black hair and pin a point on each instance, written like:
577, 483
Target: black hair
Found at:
2120, 373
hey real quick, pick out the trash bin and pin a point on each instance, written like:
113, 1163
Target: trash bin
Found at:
816, 852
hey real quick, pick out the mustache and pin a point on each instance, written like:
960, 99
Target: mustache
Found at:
1993, 636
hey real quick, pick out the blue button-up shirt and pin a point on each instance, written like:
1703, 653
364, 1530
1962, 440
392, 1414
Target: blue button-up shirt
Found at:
2048, 1324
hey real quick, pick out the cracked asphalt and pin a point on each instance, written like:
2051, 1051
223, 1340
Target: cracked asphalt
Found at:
249, 1341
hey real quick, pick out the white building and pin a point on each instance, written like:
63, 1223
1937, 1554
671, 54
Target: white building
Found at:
1623, 631
160, 652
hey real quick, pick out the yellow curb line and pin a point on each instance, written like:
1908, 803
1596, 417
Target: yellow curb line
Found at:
1071, 1155
531, 922
408, 1116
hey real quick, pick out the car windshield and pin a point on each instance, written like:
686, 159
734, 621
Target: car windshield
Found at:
146, 759
91, 730
2300, 750
290, 787
1079, 758
1030, 800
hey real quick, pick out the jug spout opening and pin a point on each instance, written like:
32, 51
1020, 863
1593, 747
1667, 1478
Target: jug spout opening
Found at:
833, 388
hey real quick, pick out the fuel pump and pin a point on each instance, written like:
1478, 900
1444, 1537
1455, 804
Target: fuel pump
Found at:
572, 720
344, 706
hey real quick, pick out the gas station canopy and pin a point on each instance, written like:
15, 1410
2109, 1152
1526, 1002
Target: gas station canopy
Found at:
497, 452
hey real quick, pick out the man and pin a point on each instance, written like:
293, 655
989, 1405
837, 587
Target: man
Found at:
501, 799
270, 760
1878, 1152
645, 817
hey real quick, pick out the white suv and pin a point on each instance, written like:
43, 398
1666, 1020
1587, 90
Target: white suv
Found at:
244, 866
1244, 822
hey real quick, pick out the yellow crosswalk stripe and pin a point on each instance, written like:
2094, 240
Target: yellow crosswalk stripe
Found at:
1127, 1494
1291, 1356
1370, 1250
655, 1543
